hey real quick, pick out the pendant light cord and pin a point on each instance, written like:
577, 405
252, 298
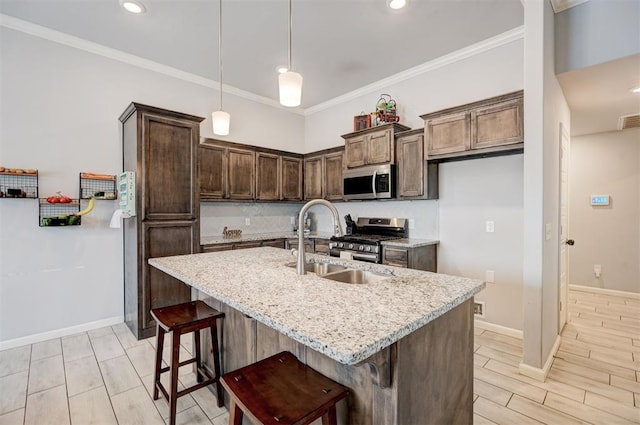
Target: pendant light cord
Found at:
220, 52
290, 29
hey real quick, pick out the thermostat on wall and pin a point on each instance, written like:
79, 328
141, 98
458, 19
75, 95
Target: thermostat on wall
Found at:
599, 199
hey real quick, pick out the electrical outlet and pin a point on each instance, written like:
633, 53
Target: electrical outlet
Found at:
247, 221
478, 309
293, 220
489, 276
597, 270
412, 223
490, 226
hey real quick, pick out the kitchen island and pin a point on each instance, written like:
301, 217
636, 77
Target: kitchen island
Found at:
403, 344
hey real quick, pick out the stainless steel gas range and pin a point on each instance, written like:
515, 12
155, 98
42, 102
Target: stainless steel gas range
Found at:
363, 239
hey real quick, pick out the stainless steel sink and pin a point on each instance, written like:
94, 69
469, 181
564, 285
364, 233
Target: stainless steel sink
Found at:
355, 276
320, 269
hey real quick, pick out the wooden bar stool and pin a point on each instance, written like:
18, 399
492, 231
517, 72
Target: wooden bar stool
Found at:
282, 390
181, 319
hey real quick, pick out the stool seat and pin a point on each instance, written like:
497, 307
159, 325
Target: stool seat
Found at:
282, 390
181, 319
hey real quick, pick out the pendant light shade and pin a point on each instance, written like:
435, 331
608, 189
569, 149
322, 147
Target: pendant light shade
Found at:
290, 82
290, 88
221, 120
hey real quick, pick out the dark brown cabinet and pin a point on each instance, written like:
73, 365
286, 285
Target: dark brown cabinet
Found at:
323, 174
293, 244
321, 246
278, 177
234, 171
276, 243
225, 172
416, 178
489, 127
371, 146
161, 147
419, 258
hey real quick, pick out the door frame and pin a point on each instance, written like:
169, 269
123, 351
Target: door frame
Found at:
563, 251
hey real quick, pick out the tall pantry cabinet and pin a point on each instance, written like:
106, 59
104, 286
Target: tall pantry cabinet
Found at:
161, 147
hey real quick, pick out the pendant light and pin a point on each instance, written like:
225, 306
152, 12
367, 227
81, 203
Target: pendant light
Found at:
290, 82
220, 118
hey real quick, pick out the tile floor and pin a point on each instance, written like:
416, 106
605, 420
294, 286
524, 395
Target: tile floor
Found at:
105, 376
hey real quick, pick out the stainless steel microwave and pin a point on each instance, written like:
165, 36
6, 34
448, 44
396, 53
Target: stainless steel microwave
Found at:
373, 182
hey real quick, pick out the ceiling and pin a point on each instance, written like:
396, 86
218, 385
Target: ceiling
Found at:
337, 45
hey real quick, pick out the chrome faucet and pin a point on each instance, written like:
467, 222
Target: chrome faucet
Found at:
337, 229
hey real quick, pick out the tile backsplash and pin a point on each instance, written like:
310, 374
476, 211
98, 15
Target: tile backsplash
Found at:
274, 217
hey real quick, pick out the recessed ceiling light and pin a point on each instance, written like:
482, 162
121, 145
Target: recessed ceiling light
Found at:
133, 6
396, 4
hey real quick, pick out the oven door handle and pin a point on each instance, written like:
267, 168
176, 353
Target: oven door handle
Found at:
373, 183
357, 256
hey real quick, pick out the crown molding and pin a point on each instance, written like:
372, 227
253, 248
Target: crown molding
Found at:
464, 53
133, 60
560, 5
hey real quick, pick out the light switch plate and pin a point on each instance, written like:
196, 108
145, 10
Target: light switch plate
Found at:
247, 221
489, 276
490, 226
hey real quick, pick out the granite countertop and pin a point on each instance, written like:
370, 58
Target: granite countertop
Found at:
346, 322
218, 239
410, 242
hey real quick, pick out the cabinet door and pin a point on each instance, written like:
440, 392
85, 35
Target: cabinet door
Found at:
395, 256
410, 166
291, 179
241, 176
447, 134
268, 177
497, 125
169, 168
247, 244
276, 243
217, 247
308, 245
379, 148
313, 178
355, 151
321, 246
212, 165
161, 239
239, 344
333, 164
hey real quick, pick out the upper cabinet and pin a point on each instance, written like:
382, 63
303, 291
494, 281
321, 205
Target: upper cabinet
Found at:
323, 174
488, 127
225, 171
416, 177
371, 146
233, 171
278, 177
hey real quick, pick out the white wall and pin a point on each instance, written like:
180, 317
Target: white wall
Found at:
595, 32
59, 113
605, 164
545, 110
471, 192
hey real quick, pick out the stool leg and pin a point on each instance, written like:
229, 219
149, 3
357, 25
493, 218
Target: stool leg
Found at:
216, 363
173, 391
235, 413
196, 347
329, 417
159, 347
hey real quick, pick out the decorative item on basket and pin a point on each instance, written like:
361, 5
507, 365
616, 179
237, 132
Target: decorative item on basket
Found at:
386, 112
231, 233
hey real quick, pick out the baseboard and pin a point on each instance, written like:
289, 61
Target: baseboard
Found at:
537, 373
44, 336
503, 330
603, 291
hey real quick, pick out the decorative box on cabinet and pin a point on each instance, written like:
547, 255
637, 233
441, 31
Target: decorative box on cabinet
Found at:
160, 146
489, 127
371, 146
416, 177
